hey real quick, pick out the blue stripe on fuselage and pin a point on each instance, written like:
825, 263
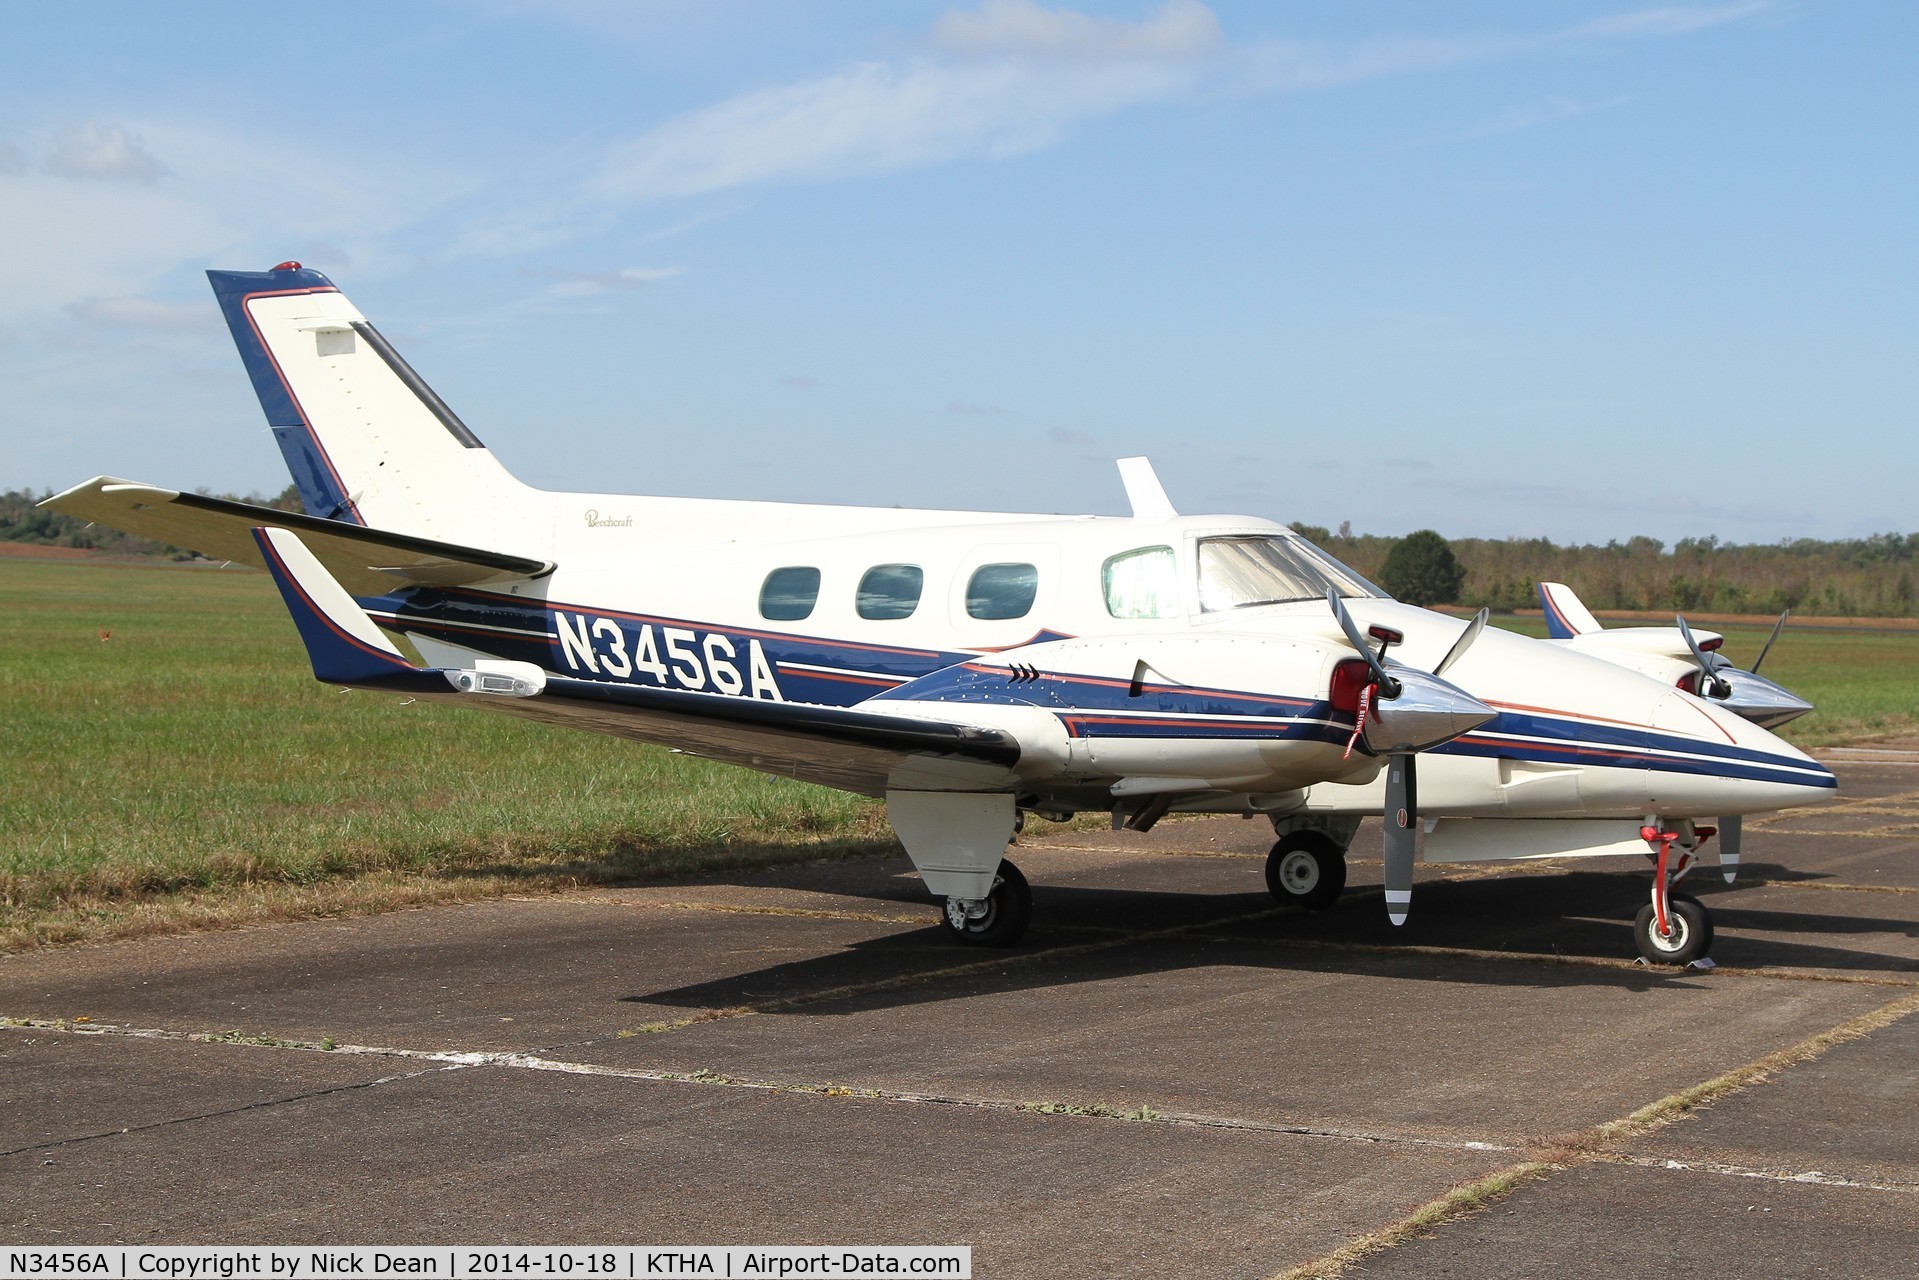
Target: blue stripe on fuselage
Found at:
854, 672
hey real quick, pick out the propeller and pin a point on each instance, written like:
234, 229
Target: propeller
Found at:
1402, 774
1710, 685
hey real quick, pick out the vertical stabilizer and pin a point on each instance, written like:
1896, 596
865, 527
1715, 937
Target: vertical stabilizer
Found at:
1566, 615
366, 440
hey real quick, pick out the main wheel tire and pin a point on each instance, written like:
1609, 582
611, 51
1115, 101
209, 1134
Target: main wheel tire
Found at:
1009, 909
1306, 869
1691, 935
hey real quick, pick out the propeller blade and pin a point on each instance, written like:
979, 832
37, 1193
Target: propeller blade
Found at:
1777, 627
1729, 840
1387, 685
1465, 641
1709, 683
1402, 821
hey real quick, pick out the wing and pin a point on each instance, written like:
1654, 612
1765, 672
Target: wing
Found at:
366, 561
853, 750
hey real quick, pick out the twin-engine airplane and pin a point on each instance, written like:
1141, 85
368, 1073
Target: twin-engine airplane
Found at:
968, 667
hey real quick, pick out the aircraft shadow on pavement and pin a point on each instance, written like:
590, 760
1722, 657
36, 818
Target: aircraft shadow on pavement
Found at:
1574, 915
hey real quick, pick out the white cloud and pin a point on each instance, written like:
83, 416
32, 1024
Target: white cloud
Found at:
1181, 29
1288, 65
1013, 76
877, 118
91, 149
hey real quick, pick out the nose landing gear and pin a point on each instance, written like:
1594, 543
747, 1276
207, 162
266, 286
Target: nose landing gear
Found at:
1674, 928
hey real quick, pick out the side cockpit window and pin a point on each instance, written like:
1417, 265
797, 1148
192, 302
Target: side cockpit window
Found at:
1002, 591
890, 591
1141, 584
789, 594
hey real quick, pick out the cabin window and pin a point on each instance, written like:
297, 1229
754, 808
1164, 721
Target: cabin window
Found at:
890, 591
789, 594
1002, 591
1141, 584
1237, 573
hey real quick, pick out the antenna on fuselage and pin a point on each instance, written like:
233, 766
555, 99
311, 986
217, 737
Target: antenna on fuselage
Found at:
1144, 490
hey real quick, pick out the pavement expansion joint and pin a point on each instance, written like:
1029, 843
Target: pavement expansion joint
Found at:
456, 1059
1814, 1177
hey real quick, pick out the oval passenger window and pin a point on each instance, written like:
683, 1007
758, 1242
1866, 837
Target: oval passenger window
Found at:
1002, 591
789, 594
890, 591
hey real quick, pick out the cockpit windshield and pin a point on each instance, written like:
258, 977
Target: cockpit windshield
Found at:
1235, 573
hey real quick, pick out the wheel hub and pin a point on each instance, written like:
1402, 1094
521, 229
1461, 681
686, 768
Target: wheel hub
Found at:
1299, 871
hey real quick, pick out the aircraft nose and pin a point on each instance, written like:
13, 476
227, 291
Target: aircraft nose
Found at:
1710, 761
1428, 711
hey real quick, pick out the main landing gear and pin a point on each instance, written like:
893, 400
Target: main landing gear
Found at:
997, 920
1306, 869
1674, 928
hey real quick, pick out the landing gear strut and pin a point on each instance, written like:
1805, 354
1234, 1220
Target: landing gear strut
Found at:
1306, 869
997, 920
1674, 928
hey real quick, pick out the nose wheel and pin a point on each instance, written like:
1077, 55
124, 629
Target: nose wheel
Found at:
1688, 934
997, 920
1306, 869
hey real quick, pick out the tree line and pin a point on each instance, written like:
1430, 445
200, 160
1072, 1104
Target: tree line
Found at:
1873, 577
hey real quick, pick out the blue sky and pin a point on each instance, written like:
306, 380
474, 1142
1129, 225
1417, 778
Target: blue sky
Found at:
1578, 270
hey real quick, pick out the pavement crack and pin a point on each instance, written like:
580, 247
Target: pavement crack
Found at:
197, 1117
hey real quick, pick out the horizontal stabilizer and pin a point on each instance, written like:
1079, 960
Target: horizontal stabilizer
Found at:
365, 561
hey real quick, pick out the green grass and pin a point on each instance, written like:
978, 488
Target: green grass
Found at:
192, 759
193, 751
